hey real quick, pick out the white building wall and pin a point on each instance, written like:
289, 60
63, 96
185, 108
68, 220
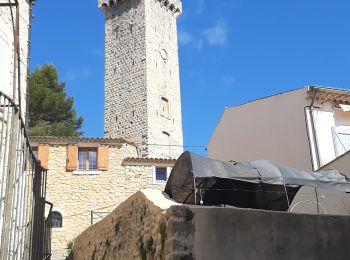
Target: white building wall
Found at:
7, 49
326, 119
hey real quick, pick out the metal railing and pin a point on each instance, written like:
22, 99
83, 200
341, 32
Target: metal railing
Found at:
96, 216
25, 226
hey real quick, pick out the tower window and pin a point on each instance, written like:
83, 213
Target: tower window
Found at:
165, 107
116, 31
56, 219
164, 54
166, 142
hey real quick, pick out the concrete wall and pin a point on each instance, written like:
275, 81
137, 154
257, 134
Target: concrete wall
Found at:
226, 233
75, 194
7, 49
142, 68
340, 164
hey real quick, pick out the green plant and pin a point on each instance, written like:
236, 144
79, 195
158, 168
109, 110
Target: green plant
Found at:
70, 246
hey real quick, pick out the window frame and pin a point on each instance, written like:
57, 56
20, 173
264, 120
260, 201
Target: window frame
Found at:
87, 150
168, 171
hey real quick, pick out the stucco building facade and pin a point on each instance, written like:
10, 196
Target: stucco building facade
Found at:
142, 85
307, 128
89, 177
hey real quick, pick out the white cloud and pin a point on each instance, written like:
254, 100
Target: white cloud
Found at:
98, 52
77, 73
200, 6
228, 80
184, 37
199, 45
216, 35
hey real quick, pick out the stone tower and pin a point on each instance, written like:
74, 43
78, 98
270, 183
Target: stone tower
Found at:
142, 85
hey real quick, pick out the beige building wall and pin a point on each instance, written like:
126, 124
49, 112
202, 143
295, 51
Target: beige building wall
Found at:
7, 48
75, 194
276, 128
272, 128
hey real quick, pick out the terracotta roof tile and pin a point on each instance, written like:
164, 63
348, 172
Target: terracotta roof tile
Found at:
134, 161
68, 140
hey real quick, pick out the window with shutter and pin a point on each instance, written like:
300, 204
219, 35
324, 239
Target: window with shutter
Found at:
87, 158
102, 158
43, 155
72, 158
341, 138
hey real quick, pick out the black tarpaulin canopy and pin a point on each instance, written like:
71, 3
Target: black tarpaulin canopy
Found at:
256, 184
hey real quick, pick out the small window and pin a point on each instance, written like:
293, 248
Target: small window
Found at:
56, 219
165, 107
161, 174
87, 159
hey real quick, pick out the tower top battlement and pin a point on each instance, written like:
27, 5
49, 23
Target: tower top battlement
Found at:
175, 6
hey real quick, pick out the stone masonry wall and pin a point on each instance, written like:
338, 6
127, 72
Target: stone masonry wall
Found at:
74, 195
142, 68
7, 48
163, 78
125, 79
138, 229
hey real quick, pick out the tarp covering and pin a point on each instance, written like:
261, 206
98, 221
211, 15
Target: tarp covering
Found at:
255, 184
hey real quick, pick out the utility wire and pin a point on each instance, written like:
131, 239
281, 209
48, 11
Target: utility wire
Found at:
173, 145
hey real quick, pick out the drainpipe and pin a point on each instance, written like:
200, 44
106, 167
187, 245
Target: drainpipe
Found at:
26, 118
15, 28
15, 54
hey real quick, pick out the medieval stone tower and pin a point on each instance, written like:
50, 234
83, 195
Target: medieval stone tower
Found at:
142, 86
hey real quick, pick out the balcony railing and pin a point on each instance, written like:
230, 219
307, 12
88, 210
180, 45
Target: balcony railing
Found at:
25, 216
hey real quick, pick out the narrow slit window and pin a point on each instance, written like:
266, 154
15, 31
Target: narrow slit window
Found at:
165, 107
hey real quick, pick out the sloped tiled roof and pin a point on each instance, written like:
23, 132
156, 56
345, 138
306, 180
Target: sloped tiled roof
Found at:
135, 161
330, 94
70, 140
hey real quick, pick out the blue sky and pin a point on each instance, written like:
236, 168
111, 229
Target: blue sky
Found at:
230, 51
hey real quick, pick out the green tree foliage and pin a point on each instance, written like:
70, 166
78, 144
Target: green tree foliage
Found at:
51, 111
